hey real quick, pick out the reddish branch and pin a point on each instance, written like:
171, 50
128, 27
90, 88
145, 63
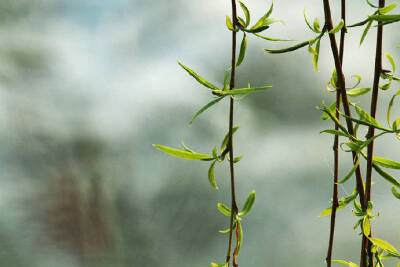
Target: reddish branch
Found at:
234, 208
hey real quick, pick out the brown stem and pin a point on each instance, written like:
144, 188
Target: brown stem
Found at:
341, 88
234, 208
371, 133
335, 203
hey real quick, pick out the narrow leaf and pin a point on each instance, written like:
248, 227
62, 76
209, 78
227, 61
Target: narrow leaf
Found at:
242, 52
358, 91
383, 245
386, 163
385, 18
240, 237
224, 209
240, 91
395, 193
271, 39
366, 30
351, 172
348, 263
316, 55
229, 23
289, 49
248, 204
204, 108
182, 154
391, 60
198, 78
246, 13
211, 175
226, 138
386, 176
213, 264
337, 28
387, 9
366, 226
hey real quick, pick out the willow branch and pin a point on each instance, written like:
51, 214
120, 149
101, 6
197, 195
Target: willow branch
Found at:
371, 132
234, 209
342, 89
335, 203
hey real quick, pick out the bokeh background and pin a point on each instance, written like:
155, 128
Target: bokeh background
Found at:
86, 87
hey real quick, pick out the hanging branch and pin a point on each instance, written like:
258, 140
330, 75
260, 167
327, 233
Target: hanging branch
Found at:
335, 203
342, 89
366, 245
234, 208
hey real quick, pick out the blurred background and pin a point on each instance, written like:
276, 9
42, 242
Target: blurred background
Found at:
86, 87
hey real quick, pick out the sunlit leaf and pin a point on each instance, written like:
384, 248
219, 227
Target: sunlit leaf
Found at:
348, 263
337, 28
336, 132
183, 154
385, 18
229, 23
395, 193
357, 91
271, 39
226, 78
224, 209
316, 55
391, 60
386, 176
331, 109
288, 49
366, 226
198, 78
240, 91
351, 172
383, 245
366, 30
386, 163
204, 108
246, 13
242, 52
387, 9
185, 147
248, 204
211, 175
237, 159
226, 138
308, 23
213, 264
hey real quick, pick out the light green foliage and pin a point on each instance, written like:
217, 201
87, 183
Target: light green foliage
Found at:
183, 154
348, 263
248, 204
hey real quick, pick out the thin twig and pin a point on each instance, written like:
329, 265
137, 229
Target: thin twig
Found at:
371, 133
342, 89
335, 203
234, 209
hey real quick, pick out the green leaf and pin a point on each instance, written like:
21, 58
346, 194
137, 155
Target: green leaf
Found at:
364, 116
240, 91
385, 18
386, 176
213, 264
337, 28
226, 138
366, 226
229, 23
226, 78
271, 39
288, 49
246, 13
387, 9
183, 154
237, 159
358, 77
348, 263
391, 60
242, 52
198, 78
383, 245
395, 193
185, 147
331, 109
224, 209
366, 30
270, 9
204, 108
351, 172
240, 237
316, 55
358, 91
343, 202
211, 175
386, 163
316, 25
215, 152
308, 23
371, 5
336, 132
248, 204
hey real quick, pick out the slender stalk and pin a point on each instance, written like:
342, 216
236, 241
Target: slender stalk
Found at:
234, 208
342, 89
371, 132
335, 203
